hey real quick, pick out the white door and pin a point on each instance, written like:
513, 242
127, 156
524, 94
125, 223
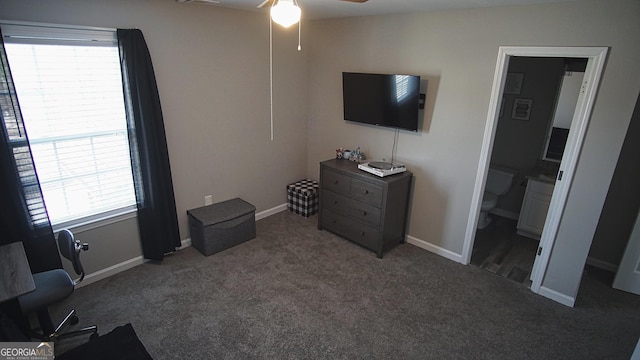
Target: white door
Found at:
628, 275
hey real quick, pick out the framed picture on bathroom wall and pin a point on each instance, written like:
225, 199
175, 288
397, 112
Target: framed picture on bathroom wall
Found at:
521, 109
513, 83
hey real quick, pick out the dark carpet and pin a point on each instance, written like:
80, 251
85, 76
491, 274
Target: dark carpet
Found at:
298, 293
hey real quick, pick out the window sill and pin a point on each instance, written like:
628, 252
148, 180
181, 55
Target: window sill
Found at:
98, 221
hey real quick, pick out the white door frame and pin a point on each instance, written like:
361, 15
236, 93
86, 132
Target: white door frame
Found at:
596, 58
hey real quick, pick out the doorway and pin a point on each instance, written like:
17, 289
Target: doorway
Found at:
595, 63
528, 145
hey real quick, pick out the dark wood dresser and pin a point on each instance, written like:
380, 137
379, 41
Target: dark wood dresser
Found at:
366, 209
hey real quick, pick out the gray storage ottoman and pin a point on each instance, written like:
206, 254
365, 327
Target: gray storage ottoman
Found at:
222, 225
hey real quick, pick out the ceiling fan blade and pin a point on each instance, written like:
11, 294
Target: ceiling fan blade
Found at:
356, 1
266, 3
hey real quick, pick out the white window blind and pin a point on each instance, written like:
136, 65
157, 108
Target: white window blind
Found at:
69, 86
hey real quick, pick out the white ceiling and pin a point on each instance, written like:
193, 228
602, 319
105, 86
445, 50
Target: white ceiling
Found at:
323, 9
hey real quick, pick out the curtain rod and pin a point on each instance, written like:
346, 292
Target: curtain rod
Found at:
36, 33
54, 38
58, 26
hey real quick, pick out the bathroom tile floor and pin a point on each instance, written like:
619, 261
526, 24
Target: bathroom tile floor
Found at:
500, 250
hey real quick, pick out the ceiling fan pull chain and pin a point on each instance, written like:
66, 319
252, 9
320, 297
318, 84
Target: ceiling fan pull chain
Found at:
299, 26
271, 75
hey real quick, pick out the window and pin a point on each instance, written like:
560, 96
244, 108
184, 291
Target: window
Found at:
401, 87
69, 86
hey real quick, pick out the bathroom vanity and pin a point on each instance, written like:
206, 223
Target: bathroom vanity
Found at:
535, 206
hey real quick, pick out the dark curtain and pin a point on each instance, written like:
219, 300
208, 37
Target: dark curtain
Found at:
157, 216
22, 209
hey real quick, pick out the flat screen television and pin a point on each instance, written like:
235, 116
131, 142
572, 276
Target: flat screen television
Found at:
390, 100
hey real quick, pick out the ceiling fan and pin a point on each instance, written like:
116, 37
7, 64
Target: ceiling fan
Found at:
270, 2
287, 12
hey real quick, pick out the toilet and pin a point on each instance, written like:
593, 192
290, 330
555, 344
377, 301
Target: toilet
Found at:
499, 181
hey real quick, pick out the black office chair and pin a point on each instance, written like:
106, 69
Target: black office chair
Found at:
54, 286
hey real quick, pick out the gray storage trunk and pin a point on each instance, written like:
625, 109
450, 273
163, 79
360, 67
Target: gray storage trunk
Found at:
222, 225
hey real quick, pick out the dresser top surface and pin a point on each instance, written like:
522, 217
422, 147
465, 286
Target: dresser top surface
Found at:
351, 167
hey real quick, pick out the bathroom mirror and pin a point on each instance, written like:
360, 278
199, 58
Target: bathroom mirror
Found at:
567, 99
556, 141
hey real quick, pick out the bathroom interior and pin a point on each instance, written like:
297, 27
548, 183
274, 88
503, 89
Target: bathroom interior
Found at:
538, 102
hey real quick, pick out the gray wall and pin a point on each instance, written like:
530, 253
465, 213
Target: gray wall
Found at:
623, 201
457, 52
212, 69
111, 244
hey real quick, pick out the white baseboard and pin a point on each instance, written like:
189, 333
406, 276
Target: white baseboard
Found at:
111, 270
546, 292
602, 264
274, 210
435, 249
557, 297
139, 260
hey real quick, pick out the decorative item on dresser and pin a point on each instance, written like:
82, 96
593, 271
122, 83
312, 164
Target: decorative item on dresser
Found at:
366, 209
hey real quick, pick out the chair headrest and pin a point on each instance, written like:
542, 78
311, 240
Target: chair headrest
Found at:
66, 243
70, 248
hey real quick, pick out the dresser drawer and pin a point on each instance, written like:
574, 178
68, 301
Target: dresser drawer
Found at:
334, 181
352, 230
357, 210
368, 192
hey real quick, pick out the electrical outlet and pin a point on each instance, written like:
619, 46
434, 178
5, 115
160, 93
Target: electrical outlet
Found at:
208, 200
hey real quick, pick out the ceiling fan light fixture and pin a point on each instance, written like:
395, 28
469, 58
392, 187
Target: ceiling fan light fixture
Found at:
285, 13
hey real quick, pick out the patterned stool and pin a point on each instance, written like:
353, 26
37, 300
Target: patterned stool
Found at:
303, 197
